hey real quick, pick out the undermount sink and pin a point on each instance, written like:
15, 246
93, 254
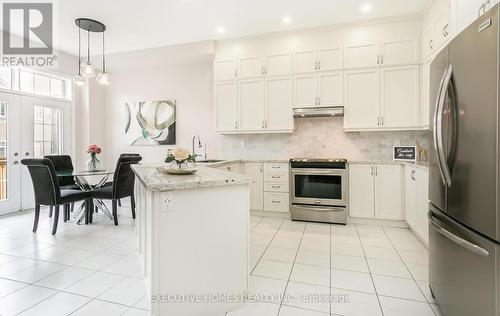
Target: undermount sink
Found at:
209, 161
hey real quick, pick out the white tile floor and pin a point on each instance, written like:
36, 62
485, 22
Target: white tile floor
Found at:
94, 269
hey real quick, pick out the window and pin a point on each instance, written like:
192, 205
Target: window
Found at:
47, 131
35, 82
3, 150
5, 78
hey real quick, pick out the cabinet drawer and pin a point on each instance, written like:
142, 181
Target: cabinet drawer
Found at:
276, 177
276, 187
276, 167
276, 202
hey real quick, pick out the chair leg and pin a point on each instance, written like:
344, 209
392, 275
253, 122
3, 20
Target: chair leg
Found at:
119, 203
87, 211
72, 207
132, 205
51, 208
115, 211
56, 219
37, 217
91, 210
65, 214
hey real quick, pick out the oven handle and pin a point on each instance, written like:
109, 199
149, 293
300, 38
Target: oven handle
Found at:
328, 209
319, 171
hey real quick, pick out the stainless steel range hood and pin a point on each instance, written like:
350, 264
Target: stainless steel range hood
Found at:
336, 111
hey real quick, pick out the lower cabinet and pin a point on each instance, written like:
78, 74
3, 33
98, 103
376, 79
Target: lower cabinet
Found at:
269, 189
375, 191
416, 199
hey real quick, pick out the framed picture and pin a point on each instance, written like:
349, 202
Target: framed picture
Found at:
154, 122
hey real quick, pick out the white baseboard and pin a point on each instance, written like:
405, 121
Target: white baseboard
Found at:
270, 214
377, 222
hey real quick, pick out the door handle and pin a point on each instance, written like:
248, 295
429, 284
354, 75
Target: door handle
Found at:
459, 240
437, 125
15, 162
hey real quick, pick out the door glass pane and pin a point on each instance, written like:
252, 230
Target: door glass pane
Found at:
5, 78
26, 82
3, 150
42, 85
56, 88
47, 131
318, 186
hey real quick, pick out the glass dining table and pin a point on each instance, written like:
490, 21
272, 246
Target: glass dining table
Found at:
88, 180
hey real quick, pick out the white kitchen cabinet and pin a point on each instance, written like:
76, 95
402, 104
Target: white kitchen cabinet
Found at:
278, 64
375, 191
305, 91
226, 105
251, 99
425, 100
251, 67
437, 34
416, 201
361, 192
322, 59
363, 55
225, 69
361, 99
400, 97
279, 100
276, 187
389, 52
467, 11
255, 171
276, 202
388, 192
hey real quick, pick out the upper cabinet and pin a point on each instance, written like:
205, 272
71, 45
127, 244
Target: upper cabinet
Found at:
437, 34
467, 11
383, 53
225, 69
278, 64
314, 60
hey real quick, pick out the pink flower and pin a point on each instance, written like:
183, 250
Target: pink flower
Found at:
93, 149
98, 150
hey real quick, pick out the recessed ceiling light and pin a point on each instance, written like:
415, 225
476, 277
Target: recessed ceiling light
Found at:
366, 7
287, 20
221, 30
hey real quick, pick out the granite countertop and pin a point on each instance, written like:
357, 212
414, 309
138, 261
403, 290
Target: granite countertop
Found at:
206, 176
420, 164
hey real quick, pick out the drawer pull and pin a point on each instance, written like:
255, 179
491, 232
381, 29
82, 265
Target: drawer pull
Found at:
276, 167
275, 186
276, 177
275, 201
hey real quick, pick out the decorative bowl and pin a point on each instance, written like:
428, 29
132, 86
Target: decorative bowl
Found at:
177, 171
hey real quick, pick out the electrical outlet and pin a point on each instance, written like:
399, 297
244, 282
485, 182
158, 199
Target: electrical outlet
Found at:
167, 201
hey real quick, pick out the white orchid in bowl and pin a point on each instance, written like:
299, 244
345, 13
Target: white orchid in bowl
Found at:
180, 156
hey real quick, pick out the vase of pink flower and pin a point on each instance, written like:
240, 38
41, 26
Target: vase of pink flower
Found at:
93, 163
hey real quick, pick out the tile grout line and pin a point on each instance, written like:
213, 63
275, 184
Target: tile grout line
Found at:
291, 270
412, 277
267, 247
369, 271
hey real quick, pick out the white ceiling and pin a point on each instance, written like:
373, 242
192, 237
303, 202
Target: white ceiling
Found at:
139, 24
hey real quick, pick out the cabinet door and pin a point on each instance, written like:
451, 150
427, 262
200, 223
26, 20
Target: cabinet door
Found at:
305, 93
330, 89
279, 65
330, 59
442, 28
251, 67
361, 192
410, 196
422, 203
399, 52
279, 103
466, 12
305, 61
400, 96
428, 42
425, 94
252, 104
388, 192
225, 69
226, 105
361, 99
254, 171
361, 56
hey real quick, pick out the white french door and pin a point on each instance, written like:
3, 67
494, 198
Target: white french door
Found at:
34, 127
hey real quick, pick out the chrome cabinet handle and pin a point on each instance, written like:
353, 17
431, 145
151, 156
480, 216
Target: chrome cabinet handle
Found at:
382, 59
262, 124
445, 30
412, 175
16, 154
378, 120
276, 201
15, 162
382, 120
459, 240
430, 44
371, 170
378, 59
275, 186
276, 177
319, 64
236, 73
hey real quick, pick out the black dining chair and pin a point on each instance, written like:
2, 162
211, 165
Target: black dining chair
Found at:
122, 156
63, 163
48, 192
121, 187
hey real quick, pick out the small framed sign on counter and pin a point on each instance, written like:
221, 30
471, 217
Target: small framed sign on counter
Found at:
405, 153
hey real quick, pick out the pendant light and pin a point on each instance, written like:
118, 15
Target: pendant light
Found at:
88, 70
103, 77
78, 79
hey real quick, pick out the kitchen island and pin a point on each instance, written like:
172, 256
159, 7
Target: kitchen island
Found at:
193, 239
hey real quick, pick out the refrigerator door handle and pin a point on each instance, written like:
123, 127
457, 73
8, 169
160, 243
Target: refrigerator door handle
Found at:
437, 125
459, 240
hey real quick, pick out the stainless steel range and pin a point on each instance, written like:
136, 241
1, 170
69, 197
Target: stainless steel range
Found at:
318, 190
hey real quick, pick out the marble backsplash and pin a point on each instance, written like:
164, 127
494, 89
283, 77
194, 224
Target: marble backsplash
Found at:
320, 138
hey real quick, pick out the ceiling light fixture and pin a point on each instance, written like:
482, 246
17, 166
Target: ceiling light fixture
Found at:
221, 30
366, 7
88, 69
78, 79
287, 20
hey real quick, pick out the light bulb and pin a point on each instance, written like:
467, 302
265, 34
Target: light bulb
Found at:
103, 78
88, 70
79, 80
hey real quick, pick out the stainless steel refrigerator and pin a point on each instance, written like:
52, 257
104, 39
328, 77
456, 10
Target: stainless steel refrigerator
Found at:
464, 174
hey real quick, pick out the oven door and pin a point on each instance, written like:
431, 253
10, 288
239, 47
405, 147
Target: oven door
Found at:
319, 186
